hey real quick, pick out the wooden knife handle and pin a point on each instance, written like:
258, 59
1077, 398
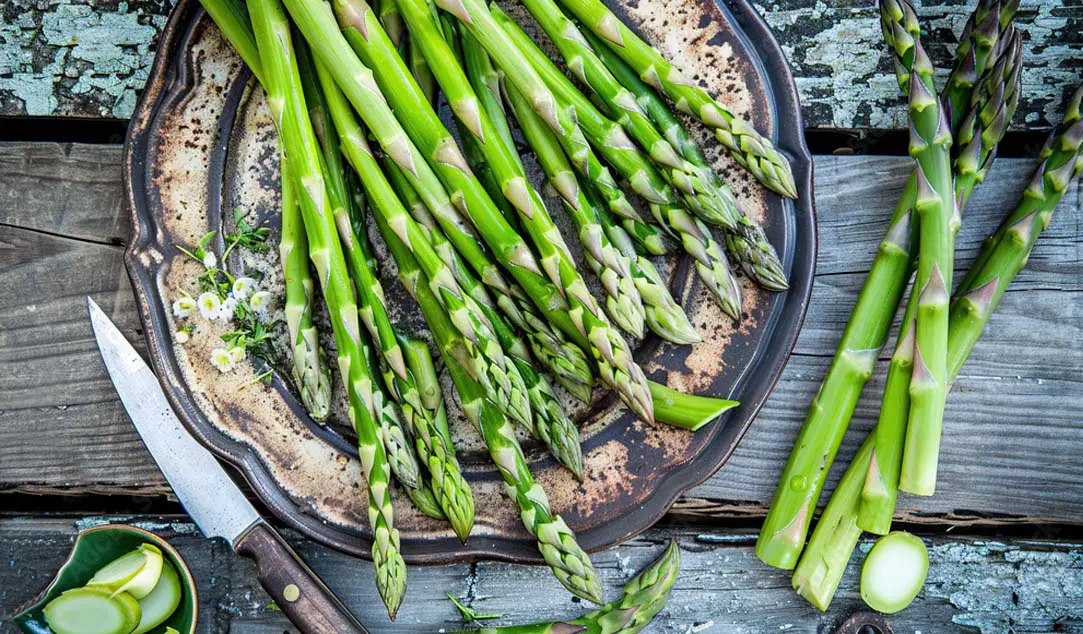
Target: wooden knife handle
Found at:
300, 594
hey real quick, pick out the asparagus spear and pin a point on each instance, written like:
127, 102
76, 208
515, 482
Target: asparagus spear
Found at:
556, 541
311, 373
549, 423
611, 141
622, 299
1006, 252
664, 315
644, 597
751, 150
930, 145
609, 350
497, 374
783, 533
566, 360
986, 28
993, 104
285, 95
701, 189
818, 574
400, 453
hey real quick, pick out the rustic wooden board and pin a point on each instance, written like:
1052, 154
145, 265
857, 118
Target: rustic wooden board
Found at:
91, 57
1016, 403
1030, 586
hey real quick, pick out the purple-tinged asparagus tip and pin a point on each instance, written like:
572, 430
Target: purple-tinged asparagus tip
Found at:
353, 14
926, 195
904, 350
1023, 229
935, 290
920, 375
900, 234
981, 298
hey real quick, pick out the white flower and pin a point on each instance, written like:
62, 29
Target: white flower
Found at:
210, 260
221, 359
182, 337
260, 303
236, 354
182, 306
209, 305
243, 286
225, 313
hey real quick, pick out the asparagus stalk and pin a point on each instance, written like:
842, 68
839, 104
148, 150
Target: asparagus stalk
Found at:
783, 534
285, 94
899, 25
566, 360
549, 423
609, 350
613, 143
930, 145
556, 541
311, 374
702, 190
419, 360
818, 574
1007, 250
497, 374
663, 314
751, 150
993, 105
400, 453
493, 141
644, 597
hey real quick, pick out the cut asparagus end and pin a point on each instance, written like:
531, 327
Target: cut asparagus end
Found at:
687, 411
162, 601
92, 610
822, 564
136, 572
894, 572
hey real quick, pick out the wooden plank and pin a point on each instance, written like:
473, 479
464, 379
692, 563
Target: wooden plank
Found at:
1029, 586
91, 58
1016, 403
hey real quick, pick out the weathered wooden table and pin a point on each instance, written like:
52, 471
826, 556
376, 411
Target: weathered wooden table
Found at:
1004, 528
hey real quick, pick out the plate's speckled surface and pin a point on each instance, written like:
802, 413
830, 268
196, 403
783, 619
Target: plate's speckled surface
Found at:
201, 143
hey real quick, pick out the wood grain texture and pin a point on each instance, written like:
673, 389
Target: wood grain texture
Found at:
1027, 586
91, 57
996, 462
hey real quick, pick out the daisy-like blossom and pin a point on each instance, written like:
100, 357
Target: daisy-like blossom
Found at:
236, 354
182, 337
182, 306
260, 303
221, 359
225, 313
209, 305
210, 260
243, 287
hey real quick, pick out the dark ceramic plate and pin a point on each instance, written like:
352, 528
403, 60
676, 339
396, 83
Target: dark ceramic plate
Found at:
201, 144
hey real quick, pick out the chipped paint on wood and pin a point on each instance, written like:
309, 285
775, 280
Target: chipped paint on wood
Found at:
843, 74
974, 586
76, 57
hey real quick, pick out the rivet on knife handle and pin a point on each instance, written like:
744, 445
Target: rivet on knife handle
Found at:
299, 593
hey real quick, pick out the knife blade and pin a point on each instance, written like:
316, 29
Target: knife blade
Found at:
206, 491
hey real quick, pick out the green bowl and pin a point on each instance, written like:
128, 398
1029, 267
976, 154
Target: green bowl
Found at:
96, 547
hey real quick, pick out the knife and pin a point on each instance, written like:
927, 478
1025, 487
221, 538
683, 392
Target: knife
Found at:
210, 496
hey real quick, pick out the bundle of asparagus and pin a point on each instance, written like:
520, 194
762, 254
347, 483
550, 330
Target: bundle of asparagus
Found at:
477, 248
953, 141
